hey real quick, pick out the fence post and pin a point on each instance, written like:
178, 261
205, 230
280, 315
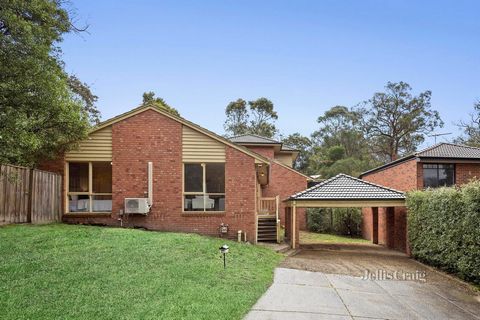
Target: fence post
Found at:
30, 196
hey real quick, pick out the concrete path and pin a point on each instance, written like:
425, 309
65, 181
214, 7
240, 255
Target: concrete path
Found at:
298, 294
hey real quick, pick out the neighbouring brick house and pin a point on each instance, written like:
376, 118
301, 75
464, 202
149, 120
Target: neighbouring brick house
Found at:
194, 180
443, 164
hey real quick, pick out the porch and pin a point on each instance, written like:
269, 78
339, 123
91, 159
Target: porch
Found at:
268, 221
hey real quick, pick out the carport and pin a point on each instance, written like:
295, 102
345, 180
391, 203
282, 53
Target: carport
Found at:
344, 191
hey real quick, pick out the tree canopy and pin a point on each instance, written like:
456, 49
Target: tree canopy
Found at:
43, 110
471, 128
252, 117
149, 98
352, 140
396, 122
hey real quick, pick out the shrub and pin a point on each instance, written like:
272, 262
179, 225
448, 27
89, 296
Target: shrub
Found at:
443, 229
341, 221
318, 220
347, 221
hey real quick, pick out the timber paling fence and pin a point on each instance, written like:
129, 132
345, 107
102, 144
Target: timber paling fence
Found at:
29, 195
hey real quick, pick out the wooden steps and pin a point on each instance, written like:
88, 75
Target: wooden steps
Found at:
267, 229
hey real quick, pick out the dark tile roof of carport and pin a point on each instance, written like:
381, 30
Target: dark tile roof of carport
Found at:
345, 187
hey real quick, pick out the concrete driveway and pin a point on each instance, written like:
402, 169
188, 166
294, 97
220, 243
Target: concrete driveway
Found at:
344, 294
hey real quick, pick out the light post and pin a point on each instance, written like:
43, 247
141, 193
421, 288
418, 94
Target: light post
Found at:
224, 251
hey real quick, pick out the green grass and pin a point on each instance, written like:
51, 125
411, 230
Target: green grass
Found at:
313, 237
83, 272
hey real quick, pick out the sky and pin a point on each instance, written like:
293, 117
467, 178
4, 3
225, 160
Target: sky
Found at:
305, 56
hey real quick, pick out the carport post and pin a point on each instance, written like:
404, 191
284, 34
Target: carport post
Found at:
294, 225
375, 225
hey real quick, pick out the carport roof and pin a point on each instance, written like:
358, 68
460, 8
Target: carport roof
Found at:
345, 187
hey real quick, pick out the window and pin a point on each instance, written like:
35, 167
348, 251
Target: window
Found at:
89, 187
204, 187
438, 175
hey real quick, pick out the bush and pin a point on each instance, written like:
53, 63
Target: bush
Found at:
341, 221
443, 229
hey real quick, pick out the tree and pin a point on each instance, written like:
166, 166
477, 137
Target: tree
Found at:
340, 126
83, 95
43, 111
339, 144
471, 129
264, 117
396, 122
303, 145
255, 117
329, 162
149, 98
237, 118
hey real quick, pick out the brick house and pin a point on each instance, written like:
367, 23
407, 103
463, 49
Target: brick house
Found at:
284, 181
443, 164
190, 179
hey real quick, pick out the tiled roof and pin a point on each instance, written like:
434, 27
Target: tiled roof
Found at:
345, 187
450, 150
253, 138
256, 139
287, 148
441, 150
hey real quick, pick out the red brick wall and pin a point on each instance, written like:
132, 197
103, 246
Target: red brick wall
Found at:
392, 227
405, 176
464, 172
285, 182
268, 152
367, 223
149, 136
402, 176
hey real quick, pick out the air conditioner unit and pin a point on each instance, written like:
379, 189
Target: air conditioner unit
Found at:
137, 206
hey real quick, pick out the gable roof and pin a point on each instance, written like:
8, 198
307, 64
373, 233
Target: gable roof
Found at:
254, 139
450, 150
345, 187
441, 150
184, 122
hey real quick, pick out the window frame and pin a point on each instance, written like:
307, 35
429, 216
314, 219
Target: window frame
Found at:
437, 169
88, 193
204, 192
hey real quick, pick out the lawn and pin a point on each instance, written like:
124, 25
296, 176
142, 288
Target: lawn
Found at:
313, 237
83, 272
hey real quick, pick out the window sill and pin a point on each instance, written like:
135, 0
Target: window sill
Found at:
203, 213
87, 214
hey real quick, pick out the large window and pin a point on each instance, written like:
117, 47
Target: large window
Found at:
89, 187
204, 187
438, 175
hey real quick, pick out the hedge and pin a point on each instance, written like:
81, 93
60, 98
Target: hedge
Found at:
444, 229
341, 221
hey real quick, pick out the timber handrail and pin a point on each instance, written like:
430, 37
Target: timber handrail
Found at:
277, 202
267, 206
